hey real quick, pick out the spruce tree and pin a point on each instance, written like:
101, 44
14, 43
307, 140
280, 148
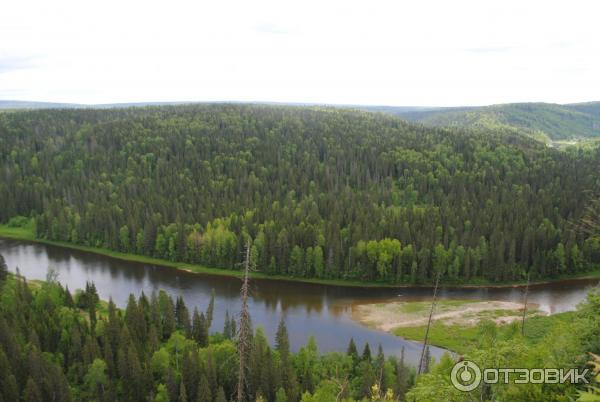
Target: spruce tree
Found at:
210, 310
220, 395
226, 326
366, 354
3, 269
352, 350
182, 393
182, 316
204, 393
32, 393
280, 396
282, 342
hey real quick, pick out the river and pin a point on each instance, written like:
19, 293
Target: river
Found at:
323, 311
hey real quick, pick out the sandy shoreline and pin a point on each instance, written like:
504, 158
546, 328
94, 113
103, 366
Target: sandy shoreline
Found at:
387, 316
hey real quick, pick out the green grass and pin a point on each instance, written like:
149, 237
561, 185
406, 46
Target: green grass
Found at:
441, 305
27, 233
21, 233
456, 338
461, 339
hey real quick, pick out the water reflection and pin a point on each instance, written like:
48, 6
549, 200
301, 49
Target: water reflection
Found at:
309, 309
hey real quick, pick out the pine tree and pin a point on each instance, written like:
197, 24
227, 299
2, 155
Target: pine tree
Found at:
10, 389
182, 393
352, 351
379, 362
210, 310
191, 373
3, 269
282, 342
366, 354
233, 326
32, 393
227, 327
204, 393
171, 383
200, 329
182, 316
280, 396
68, 298
402, 376
133, 375
167, 313
221, 395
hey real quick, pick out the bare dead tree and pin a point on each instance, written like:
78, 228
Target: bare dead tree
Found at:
342, 384
244, 328
433, 302
525, 306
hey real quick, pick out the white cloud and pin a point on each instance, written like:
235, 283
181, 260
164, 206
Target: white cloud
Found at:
377, 52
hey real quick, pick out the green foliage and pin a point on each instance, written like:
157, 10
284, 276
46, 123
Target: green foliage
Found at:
96, 380
324, 193
119, 358
3, 270
551, 342
540, 120
592, 394
18, 222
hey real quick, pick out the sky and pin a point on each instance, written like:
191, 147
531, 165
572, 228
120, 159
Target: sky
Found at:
426, 53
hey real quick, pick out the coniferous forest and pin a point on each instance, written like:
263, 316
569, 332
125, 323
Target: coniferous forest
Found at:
321, 192
58, 346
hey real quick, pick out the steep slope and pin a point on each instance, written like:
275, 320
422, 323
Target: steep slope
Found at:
537, 119
323, 192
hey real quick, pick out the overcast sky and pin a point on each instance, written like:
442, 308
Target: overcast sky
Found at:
372, 52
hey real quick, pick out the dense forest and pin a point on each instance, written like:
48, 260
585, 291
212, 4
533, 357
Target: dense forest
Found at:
321, 192
540, 120
58, 346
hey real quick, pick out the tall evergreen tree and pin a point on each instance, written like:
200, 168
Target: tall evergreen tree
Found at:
210, 310
366, 354
3, 269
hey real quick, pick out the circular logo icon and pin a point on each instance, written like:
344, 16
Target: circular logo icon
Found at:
465, 376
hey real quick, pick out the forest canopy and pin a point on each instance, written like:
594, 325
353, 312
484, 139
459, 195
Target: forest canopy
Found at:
322, 192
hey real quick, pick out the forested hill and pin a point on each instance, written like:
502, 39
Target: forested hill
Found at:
323, 193
544, 120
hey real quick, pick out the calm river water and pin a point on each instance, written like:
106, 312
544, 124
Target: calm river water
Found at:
309, 309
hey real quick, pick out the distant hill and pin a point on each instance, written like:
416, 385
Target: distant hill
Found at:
543, 121
592, 108
540, 120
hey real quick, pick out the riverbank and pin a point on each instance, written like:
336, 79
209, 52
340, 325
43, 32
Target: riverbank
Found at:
462, 339
458, 325
400, 314
27, 234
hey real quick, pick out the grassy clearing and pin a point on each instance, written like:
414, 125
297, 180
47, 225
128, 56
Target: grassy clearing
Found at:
461, 339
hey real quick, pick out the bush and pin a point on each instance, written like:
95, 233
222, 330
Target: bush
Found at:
18, 222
